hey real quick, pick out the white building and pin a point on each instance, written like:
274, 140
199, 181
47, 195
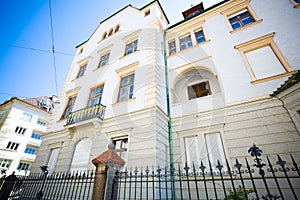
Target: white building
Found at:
222, 64
23, 122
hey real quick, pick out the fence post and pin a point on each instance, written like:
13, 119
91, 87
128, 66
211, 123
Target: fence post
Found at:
106, 165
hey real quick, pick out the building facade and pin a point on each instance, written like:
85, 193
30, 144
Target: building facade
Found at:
211, 74
23, 122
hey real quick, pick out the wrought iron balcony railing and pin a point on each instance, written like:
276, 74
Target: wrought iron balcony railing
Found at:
96, 111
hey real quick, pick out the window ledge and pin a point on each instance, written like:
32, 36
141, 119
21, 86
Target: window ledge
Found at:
98, 68
273, 77
197, 45
124, 102
247, 26
128, 55
77, 78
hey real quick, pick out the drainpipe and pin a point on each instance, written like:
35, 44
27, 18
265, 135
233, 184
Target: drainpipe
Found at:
168, 103
169, 118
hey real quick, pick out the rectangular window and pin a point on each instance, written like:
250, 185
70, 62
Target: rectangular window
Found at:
23, 166
20, 130
131, 47
199, 90
185, 42
81, 71
126, 88
172, 47
12, 146
96, 96
199, 36
5, 163
240, 19
191, 150
214, 148
26, 117
36, 136
52, 159
264, 62
41, 123
69, 107
30, 150
104, 60
263, 59
121, 146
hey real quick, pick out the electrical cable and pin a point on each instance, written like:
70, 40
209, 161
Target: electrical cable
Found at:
35, 49
53, 49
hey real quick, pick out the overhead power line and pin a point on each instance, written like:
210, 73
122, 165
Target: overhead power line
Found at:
35, 49
53, 49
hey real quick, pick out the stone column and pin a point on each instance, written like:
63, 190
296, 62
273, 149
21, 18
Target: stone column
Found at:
106, 165
100, 180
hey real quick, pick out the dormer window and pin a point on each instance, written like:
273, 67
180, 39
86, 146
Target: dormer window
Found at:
110, 32
104, 35
147, 12
193, 11
117, 28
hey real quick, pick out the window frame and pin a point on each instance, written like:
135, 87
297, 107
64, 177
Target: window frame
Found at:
20, 130
72, 100
229, 13
81, 71
258, 43
203, 34
133, 47
36, 136
121, 149
13, 146
30, 150
173, 50
188, 44
27, 117
95, 96
191, 94
23, 166
127, 86
104, 59
5, 162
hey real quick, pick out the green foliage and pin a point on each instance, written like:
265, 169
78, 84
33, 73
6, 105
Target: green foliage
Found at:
240, 195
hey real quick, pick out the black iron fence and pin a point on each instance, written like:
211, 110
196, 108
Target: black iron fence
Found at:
64, 186
271, 177
240, 181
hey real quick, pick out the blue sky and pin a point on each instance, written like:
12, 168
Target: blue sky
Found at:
26, 60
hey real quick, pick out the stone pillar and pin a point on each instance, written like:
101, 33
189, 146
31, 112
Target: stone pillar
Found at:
106, 165
100, 180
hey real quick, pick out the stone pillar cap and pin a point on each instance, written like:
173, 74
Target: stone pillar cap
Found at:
110, 156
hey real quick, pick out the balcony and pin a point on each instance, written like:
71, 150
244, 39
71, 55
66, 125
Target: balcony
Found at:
96, 111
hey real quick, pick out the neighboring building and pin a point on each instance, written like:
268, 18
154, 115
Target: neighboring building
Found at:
23, 122
223, 63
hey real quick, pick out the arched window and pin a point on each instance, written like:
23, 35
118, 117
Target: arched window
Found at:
110, 32
194, 84
81, 157
117, 28
104, 35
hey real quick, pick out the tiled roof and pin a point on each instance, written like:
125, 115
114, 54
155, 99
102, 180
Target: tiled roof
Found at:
292, 80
